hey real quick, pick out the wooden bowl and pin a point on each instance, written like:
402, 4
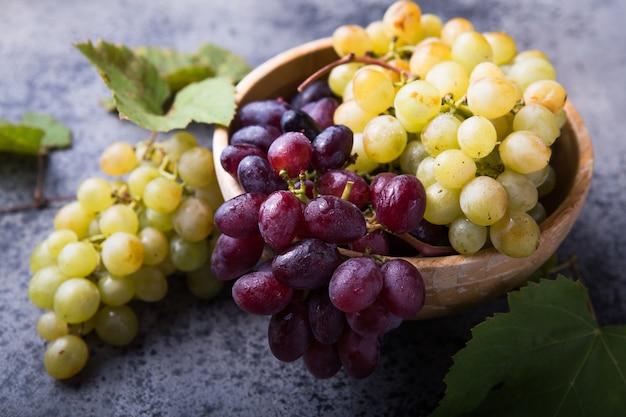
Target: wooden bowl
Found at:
456, 282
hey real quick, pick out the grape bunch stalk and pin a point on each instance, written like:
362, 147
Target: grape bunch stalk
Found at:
424, 138
119, 241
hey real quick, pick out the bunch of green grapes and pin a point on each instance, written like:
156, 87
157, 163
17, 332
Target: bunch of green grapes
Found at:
119, 241
466, 112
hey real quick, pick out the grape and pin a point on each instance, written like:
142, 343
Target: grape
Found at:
256, 176
471, 48
195, 166
57, 240
322, 360
322, 111
375, 242
400, 204
260, 136
486, 69
355, 284
118, 159
477, 136
441, 134
384, 139
492, 97
73, 216
452, 28
402, 20
238, 217
280, 218
232, 155
162, 194
178, 143
379, 182
306, 264
515, 235
193, 219
334, 182
466, 237
160, 221
289, 334
263, 112
66, 356
332, 147
538, 119
340, 76
116, 325
122, 253
334, 220
202, 283
403, 292
454, 168
290, 152
353, 39
76, 300
442, 204
373, 89
527, 71
116, 291
372, 321
525, 152
260, 293
51, 326
95, 194
233, 257
425, 55
522, 193
450, 77
313, 92
294, 120
548, 93
358, 355
140, 177
434, 234
416, 104
78, 259
327, 322
483, 200
155, 245
150, 283
350, 114
118, 218
43, 285
502, 45
413, 154
187, 255
362, 164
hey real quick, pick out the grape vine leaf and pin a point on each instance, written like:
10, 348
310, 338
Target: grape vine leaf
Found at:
142, 95
35, 133
56, 134
547, 356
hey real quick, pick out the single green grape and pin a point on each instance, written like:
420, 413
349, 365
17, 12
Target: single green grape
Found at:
66, 356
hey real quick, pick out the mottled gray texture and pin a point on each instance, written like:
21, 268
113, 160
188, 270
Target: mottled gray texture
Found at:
195, 358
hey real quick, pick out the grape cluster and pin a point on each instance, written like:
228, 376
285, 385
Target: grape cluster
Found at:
119, 240
466, 112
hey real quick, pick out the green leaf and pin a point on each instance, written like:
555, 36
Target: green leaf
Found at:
545, 357
225, 63
20, 139
56, 135
142, 91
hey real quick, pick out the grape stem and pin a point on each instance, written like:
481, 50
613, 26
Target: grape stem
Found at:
426, 249
352, 58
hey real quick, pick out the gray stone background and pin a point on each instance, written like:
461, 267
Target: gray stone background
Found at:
196, 358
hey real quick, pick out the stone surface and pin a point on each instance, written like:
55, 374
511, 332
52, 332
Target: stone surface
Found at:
197, 358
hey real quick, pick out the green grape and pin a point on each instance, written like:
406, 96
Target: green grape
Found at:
416, 104
483, 201
449, 77
431, 25
441, 134
515, 235
116, 291
413, 154
549, 182
530, 53
442, 204
122, 253
150, 283
538, 213
548, 93
41, 257
195, 167
403, 21
187, 256
51, 326
522, 193
529, 70
426, 171
155, 245
524, 151
74, 217
211, 194
139, 177
118, 159
538, 177
76, 300
492, 97
477, 136
193, 219
353, 39
384, 139
503, 47
503, 125
167, 267
202, 283
373, 89
95, 194
484, 70
178, 143
453, 27
350, 114
84, 328
454, 168
379, 37
162, 194
43, 285
340, 76
538, 119
161, 221
363, 164
118, 218
116, 325
58, 239
78, 259
426, 55
470, 48
66, 356
466, 237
